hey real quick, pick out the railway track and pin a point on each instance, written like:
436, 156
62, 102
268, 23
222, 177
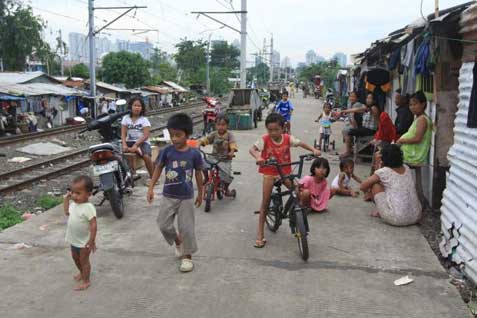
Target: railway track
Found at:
48, 169
68, 129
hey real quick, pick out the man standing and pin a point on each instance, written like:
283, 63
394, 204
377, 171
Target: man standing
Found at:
404, 116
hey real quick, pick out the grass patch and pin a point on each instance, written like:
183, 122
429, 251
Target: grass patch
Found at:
9, 216
47, 202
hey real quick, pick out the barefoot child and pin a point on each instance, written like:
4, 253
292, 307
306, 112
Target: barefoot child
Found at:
274, 144
341, 183
180, 162
224, 148
314, 190
81, 229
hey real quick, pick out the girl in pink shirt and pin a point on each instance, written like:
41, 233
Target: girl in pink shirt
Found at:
315, 192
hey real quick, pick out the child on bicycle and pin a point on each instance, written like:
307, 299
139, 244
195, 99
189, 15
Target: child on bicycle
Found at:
325, 123
224, 148
285, 108
341, 183
180, 162
314, 190
275, 144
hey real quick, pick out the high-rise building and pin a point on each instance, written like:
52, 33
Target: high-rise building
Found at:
143, 48
319, 59
286, 62
341, 58
78, 47
276, 58
310, 57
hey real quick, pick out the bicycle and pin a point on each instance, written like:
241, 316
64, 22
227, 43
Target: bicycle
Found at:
326, 131
214, 186
292, 209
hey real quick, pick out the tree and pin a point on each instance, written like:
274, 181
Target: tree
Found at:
190, 59
20, 35
127, 68
78, 70
161, 69
224, 55
261, 73
326, 70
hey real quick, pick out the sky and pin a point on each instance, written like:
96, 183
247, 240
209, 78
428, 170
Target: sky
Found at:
325, 26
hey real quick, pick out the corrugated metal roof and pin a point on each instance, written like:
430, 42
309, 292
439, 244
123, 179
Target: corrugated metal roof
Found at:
109, 87
459, 203
175, 86
36, 89
159, 89
21, 77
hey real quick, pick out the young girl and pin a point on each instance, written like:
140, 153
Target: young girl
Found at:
314, 190
393, 189
325, 121
81, 229
275, 144
341, 183
135, 130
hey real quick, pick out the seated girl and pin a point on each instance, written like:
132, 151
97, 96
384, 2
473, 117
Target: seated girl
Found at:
314, 190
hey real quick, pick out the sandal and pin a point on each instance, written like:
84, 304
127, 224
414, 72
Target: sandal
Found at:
260, 243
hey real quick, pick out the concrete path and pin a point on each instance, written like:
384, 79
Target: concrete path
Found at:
354, 260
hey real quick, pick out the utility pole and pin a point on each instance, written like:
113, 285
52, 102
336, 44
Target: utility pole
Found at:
271, 59
92, 64
243, 35
92, 47
207, 66
243, 45
62, 53
436, 12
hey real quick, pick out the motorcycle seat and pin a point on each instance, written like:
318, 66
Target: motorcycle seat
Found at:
105, 146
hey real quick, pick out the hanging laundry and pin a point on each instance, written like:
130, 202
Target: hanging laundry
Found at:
422, 58
394, 59
408, 56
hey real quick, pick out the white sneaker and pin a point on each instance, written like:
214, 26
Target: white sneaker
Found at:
186, 265
179, 249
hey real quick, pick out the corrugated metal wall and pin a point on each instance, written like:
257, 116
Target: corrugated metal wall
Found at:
459, 204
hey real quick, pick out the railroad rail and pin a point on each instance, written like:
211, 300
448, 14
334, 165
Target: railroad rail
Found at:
48, 169
73, 128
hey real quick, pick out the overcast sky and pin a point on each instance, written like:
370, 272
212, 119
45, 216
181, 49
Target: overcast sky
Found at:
326, 26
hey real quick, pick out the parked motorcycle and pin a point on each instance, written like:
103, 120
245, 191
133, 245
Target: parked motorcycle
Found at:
209, 114
330, 97
115, 177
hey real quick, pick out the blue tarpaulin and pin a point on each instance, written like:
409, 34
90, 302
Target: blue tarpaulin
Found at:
10, 97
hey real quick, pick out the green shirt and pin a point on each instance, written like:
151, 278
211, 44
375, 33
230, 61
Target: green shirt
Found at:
417, 154
77, 230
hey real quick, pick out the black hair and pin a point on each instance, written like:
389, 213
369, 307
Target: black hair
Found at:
181, 121
285, 93
143, 105
275, 118
320, 163
420, 97
87, 182
355, 93
398, 91
392, 156
222, 117
326, 104
346, 163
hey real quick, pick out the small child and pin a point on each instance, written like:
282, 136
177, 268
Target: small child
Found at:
325, 122
224, 148
81, 228
135, 131
314, 190
180, 162
341, 183
274, 144
285, 108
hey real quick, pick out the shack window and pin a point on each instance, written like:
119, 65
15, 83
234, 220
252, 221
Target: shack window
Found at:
472, 116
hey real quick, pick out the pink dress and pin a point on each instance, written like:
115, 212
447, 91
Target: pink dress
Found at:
320, 192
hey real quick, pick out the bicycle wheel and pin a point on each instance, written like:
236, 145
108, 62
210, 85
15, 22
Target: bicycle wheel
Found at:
301, 233
209, 188
273, 216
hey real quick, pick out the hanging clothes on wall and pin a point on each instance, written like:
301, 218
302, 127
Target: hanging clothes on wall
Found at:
423, 53
394, 59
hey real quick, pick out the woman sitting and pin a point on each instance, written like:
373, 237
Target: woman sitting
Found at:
393, 189
417, 141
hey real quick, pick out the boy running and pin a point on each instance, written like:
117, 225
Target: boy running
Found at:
180, 162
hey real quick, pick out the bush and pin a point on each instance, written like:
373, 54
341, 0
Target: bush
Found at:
9, 216
47, 201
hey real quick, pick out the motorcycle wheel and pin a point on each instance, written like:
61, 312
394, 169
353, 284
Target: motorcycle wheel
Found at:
116, 201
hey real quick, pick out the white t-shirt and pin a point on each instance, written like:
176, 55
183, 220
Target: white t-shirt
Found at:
336, 181
78, 229
136, 128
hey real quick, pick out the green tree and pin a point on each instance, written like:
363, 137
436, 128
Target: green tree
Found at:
190, 59
261, 73
78, 70
326, 70
161, 69
127, 68
224, 55
20, 35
